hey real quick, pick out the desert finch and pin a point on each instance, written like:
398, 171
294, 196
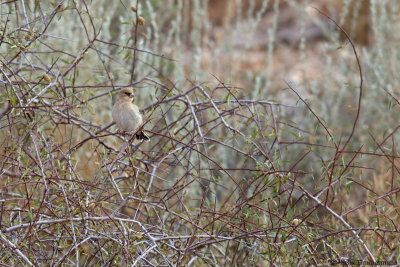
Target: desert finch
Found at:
127, 115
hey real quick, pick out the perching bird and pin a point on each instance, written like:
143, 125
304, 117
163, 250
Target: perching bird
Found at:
127, 115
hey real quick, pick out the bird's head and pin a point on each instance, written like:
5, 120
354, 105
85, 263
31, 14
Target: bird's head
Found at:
126, 94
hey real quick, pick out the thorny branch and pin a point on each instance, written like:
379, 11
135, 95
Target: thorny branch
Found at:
222, 180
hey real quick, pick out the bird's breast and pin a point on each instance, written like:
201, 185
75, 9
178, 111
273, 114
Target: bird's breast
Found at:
127, 116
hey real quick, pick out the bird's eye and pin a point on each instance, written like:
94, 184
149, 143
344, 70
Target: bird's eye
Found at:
128, 94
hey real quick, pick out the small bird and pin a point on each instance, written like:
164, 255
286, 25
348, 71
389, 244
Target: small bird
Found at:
127, 115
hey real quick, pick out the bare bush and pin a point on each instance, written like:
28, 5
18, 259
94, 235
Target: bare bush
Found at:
228, 178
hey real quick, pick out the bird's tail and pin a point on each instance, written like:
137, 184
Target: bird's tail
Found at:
142, 136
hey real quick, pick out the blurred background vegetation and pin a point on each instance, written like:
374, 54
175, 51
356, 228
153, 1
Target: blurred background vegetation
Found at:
241, 170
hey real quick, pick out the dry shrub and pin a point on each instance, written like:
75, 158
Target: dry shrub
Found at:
227, 178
